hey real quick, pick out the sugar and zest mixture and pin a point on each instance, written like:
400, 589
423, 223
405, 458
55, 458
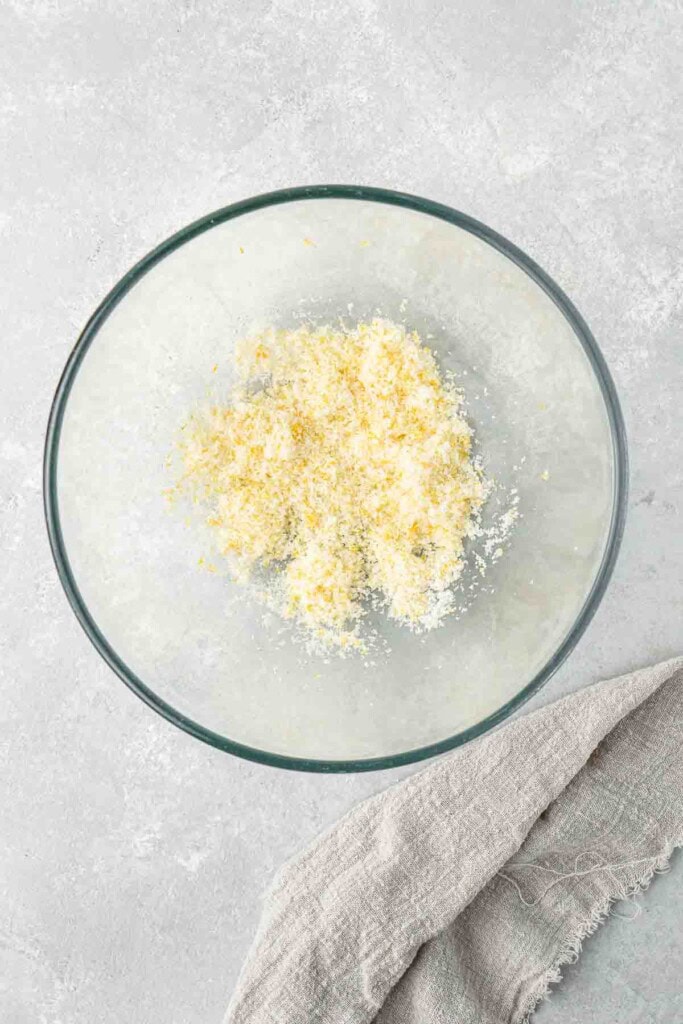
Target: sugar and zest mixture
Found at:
343, 463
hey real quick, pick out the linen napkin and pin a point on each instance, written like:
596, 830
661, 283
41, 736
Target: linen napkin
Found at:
459, 893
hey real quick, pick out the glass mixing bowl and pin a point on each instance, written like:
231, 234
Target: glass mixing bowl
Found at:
194, 645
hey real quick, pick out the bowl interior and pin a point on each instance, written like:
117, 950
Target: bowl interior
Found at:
196, 639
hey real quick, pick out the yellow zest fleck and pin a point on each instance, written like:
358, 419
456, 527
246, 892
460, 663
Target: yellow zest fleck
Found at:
308, 241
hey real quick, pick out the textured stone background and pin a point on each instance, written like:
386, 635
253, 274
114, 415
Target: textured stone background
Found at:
132, 858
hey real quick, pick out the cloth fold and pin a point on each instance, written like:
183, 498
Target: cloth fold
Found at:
457, 894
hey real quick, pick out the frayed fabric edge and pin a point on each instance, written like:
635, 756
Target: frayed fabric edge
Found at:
571, 950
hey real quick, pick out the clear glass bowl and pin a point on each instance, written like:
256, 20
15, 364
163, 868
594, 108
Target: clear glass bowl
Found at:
193, 645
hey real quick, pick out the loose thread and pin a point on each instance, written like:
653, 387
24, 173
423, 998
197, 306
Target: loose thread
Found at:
563, 876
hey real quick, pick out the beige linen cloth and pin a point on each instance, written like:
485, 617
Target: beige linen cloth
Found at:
456, 896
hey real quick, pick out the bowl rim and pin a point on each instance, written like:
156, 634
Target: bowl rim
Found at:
367, 194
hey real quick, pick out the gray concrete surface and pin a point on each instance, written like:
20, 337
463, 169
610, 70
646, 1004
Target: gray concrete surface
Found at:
132, 858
